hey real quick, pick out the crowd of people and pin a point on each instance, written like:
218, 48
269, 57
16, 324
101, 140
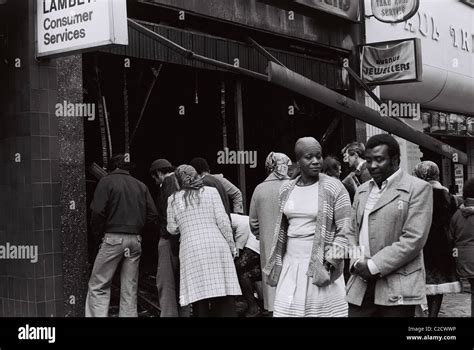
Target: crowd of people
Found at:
378, 243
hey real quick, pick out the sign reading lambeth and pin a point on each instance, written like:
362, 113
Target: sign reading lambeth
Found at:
394, 11
343, 8
70, 25
391, 62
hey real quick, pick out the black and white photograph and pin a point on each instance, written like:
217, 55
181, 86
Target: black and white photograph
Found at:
173, 164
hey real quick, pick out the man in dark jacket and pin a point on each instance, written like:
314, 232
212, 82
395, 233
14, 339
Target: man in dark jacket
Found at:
121, 208
462, 232
167, 275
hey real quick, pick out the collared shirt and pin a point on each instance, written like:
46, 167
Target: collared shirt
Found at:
374, 195
360, 165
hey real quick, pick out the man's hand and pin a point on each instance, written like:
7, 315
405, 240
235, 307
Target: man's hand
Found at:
361, 269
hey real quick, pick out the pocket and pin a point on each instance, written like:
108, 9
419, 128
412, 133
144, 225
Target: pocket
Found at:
113, 240
408, 284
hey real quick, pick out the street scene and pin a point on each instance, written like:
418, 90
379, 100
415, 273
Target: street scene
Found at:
236, 159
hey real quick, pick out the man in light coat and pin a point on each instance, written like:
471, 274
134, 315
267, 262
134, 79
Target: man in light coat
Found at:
390, 224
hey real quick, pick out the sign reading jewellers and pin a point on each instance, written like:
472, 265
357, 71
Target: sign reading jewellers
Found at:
394, 11
343, 8
391, 62
70, 25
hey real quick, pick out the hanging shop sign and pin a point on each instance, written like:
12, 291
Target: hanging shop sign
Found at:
391, 62
394, 11
70, 25
449, 124
348, 9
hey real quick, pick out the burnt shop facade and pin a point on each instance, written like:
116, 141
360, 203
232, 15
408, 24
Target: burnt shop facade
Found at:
152, 103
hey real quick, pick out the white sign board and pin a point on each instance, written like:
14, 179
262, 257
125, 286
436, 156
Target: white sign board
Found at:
70, 25
390, 63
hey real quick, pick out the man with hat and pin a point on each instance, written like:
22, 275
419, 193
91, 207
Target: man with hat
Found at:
167, 276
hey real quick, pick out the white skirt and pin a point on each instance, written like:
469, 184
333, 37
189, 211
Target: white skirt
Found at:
296, 296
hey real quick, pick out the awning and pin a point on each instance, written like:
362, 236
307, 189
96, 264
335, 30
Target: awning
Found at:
295, 82
143, 44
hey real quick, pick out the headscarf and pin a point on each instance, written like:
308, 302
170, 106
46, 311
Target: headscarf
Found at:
427, 171
277, 163
188, 178
305, 145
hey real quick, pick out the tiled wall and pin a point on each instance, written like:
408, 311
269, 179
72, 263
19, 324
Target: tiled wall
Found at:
30, 187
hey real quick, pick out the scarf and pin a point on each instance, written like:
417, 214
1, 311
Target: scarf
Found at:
277, 163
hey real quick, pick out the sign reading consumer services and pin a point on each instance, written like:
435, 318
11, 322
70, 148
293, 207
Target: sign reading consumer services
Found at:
391, 62
70, 25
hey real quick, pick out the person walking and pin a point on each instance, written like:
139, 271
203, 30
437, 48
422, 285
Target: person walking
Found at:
121, 208
208, 279
263, 214
314, 212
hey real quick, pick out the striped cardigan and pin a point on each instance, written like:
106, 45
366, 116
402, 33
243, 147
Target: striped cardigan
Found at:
332, 221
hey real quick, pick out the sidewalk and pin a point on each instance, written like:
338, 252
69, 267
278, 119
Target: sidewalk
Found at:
456, 305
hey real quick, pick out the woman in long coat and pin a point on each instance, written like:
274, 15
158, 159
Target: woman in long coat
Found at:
264, 213
208, 278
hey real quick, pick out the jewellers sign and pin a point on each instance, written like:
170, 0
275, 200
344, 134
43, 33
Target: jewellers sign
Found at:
70, 25
348, 9
394, 11
391, 62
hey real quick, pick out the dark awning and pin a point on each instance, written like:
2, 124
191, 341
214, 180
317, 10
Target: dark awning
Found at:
295, 82
143, 45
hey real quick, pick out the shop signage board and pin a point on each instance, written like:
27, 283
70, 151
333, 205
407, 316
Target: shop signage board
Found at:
391, 62
64, 26
348, 9
394, 11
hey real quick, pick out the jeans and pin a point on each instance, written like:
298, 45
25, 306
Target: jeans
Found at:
115, 247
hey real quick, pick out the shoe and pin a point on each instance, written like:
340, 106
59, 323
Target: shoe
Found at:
253, 313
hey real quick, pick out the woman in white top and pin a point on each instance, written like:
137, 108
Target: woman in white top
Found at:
314, 212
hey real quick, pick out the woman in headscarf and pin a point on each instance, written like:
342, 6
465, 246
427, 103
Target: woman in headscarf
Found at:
208, 278
264, 213
438, 256
306, 260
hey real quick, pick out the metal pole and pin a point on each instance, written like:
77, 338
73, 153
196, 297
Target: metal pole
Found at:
306, 87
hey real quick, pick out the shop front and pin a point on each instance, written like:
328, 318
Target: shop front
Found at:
444, 97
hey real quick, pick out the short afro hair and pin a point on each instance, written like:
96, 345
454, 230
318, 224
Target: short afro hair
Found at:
468, 190
384, 139
200, 164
